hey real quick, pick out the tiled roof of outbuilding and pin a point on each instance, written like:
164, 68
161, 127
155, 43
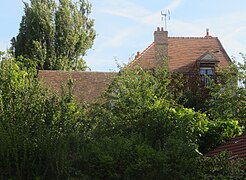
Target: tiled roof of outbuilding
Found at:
236, 146
87, 86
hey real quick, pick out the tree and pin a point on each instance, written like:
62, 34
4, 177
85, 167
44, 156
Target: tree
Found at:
140, 112
39, 132
56, 36
138, 132
228, 94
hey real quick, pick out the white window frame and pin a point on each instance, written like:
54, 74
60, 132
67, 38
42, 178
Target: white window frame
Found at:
206, 75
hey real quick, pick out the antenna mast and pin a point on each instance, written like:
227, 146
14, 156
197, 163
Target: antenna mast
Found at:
164, 17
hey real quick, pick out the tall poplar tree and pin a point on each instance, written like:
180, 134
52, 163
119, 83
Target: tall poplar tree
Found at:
55, 35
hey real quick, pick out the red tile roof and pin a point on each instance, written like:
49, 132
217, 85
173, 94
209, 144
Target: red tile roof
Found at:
147, 54
87, 86
183, 52
236, 146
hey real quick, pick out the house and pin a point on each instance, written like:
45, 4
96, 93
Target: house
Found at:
191, 56
236, 146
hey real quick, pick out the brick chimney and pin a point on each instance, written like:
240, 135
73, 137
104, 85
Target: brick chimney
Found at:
161, 45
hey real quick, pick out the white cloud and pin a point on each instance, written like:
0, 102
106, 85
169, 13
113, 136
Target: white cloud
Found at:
125, 9
174, 5
135, 12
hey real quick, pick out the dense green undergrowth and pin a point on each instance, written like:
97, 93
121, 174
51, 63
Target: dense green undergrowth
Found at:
139, 131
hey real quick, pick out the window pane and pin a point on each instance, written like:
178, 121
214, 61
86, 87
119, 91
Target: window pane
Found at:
206, 75
202, 71
206, 70
209, 72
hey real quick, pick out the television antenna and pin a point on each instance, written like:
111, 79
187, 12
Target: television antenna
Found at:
164, 17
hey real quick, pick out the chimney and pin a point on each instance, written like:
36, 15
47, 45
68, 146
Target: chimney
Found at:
161, 45
160, 36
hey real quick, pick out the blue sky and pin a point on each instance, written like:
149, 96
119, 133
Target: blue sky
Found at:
126, 26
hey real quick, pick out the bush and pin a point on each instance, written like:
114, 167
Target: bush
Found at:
39, 132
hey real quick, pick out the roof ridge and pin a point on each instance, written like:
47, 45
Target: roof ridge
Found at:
63, 71
141, 54
182, 37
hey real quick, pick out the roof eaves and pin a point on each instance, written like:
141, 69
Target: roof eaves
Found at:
224, 52
141, 54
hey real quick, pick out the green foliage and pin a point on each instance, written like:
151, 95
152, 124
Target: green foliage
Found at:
38, 133
139, 101
118, 157
138, 104
228, 94
189, 91
55, 36
223, 102
221, 166
219, 131
138, 132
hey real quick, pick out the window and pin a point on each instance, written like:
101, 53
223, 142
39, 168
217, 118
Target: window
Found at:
207, 73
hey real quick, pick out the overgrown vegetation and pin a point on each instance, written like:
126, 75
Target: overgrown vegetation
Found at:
140, 131
150, 124
38, 132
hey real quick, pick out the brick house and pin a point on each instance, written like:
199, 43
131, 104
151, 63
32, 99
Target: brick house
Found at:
191, 56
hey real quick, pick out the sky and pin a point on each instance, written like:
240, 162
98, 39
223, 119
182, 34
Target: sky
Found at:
126, 26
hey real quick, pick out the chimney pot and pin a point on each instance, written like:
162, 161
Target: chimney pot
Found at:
160, 36
207, 32
138, 54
